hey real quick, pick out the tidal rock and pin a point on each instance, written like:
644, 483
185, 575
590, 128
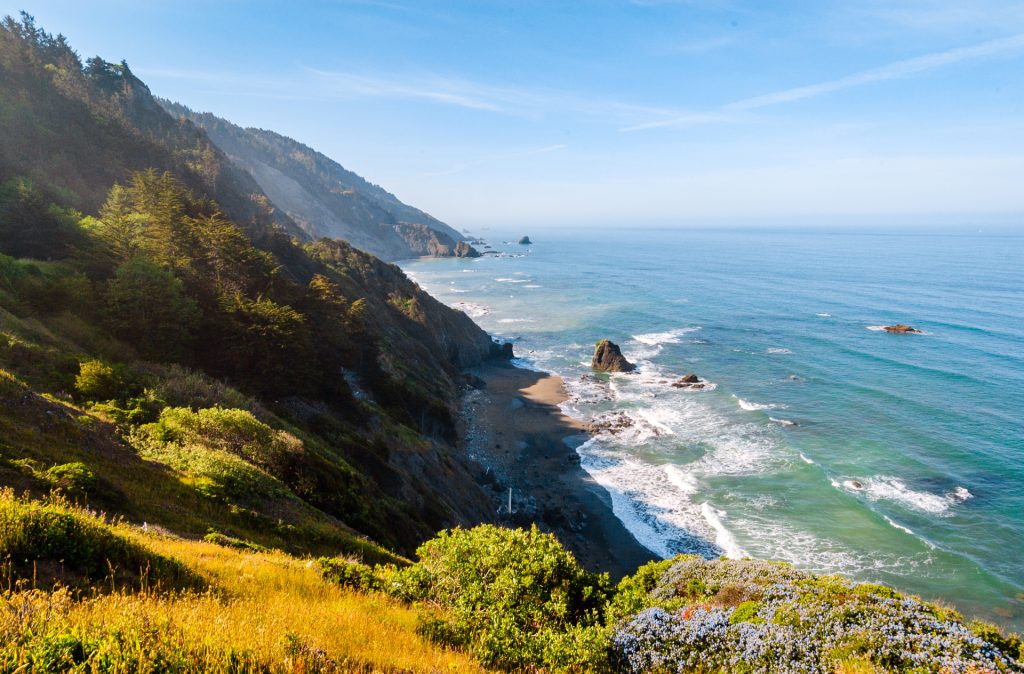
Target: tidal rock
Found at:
608, 358
525, 241
611, 423
691, 381
901, 329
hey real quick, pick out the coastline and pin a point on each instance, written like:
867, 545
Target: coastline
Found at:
512, 425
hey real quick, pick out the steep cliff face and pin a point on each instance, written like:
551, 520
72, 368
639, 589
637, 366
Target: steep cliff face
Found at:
324, 198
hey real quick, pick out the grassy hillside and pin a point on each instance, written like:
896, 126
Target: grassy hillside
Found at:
244, 610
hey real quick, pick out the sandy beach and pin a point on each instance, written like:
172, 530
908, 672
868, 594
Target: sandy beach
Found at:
513, 426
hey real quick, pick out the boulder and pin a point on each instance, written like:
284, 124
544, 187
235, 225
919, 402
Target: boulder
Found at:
901, 329
525, 241
608, 358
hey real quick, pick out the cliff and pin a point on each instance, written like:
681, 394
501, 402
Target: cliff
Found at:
324, 198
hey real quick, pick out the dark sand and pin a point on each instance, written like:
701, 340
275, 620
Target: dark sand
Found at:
513, 426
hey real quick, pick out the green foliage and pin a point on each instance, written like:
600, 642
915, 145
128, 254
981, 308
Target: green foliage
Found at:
29, 226
46, 543
235, 432
97, 381
633, 593
352, 573
515, 598
147, 307
215, 471
73, 479
745, 612
180, 387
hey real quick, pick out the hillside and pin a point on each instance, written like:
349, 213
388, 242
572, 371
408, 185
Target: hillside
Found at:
189, 323
226, 448
324, 198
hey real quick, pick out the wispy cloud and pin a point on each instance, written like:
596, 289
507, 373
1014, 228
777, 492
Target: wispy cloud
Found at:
893, 71
518, 101
436, 90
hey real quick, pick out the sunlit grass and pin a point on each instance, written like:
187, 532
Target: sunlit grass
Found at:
265, 612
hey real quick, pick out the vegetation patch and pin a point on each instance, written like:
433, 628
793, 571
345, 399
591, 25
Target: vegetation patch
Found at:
43, 544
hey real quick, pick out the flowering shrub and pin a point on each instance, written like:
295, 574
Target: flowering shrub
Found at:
751, 616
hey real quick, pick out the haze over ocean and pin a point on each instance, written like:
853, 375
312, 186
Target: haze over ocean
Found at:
822, 440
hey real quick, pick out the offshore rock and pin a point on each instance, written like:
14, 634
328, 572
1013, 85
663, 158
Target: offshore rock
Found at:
689, 381
608, 358
901, 329
464, 249
525, 241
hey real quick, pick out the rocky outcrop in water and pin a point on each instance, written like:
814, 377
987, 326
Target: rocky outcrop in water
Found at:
608, 358
690, 381
901, 329
463, 249
525, 241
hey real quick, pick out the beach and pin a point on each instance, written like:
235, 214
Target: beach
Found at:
512, 425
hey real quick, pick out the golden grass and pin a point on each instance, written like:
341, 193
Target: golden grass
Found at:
267, 612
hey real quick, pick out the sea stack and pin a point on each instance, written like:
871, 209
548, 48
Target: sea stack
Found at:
525, 241
901, 329
608, 358
464, 249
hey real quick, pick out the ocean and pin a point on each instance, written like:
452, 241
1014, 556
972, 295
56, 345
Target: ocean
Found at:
819, 439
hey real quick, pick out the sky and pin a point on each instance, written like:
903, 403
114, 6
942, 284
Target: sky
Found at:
656, 113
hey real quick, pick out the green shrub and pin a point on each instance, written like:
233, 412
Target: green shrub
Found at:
231, 431
97, 381
515, 598
74, 479
350, 573
216, 474
51, 542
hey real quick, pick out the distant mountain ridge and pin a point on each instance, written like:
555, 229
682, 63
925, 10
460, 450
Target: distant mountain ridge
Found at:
324, 198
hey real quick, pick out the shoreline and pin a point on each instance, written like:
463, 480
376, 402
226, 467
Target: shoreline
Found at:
510, 423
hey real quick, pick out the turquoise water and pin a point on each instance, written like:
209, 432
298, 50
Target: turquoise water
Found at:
819, 440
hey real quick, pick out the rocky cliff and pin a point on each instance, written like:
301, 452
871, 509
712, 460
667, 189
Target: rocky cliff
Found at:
324, 198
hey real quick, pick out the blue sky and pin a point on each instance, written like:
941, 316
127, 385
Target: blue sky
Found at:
612, 113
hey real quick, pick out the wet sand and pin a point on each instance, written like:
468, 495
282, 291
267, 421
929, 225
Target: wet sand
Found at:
513, 426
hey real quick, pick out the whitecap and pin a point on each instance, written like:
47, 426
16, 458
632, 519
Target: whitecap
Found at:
723, 537
659, 514
753, 407
806, 459
876, 328
516, 320
532, 285
512, 280
782, 422
778, 350
669, 337
898, 526
888, 488
824, 315
961, 494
